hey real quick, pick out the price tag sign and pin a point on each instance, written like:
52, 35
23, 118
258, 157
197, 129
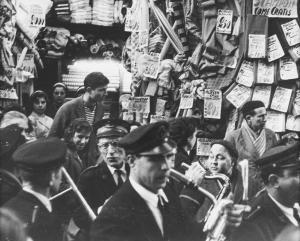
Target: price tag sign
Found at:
148, 65
274, 48
246, 74
257, 46
186, 101
212, 103
291, 31
37, 16
224, 21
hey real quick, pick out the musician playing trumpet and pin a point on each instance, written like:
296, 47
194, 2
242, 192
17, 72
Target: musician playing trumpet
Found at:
222, 160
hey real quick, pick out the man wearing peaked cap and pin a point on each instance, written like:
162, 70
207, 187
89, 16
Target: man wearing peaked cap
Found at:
274, 207
135, 211
99, 182
252, 139
39, 166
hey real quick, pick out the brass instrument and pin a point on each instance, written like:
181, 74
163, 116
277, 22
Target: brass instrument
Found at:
73, 187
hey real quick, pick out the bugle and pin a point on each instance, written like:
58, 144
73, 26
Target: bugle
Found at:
73, 187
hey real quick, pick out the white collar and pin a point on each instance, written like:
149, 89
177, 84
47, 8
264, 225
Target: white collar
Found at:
113, 169
149, 197
288, 212
43, 199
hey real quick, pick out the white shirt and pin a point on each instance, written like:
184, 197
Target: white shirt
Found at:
43, 199
115, 175
288, 212
151, 200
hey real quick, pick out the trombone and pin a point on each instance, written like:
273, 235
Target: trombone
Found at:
73, 187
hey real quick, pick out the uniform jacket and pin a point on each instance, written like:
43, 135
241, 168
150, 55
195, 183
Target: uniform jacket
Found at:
9, 186
126, 216
96, 184
41, 226
246, 150
69, 111
264, 222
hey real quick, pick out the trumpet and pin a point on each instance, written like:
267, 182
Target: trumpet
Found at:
73, 187
215, 218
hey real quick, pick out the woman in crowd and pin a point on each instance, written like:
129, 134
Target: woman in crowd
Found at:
59, 94
222, 160
76, 137
40, 121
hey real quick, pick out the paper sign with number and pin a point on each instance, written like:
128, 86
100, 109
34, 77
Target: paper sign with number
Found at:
224, 21
239, 95
246, 74
257, 46
291, 31
37, 16
141, 104
212, 103
203, 146
262, 93
186, 101
265, 72
156, 118
28, 63
274, 48
288, 69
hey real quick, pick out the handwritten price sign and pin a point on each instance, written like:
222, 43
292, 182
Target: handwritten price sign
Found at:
37, 16
224, 21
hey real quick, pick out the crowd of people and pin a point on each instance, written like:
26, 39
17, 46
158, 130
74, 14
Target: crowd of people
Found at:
140, 182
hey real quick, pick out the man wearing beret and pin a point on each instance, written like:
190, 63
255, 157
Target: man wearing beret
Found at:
145, 207
88, 106
99, 182
273, 209
39, 166
252, 139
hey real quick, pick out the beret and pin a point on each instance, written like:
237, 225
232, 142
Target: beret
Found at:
229, 147
251, 105
280, 157
60, 84
41, 154
10, 138
151, 139
111, 128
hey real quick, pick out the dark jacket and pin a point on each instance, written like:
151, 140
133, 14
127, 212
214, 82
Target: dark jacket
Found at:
126, 216
41, 225
96, 184
9, 186
264, 222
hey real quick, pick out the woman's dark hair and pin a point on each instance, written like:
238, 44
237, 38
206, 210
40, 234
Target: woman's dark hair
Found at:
183, 128
77, 125
38, 94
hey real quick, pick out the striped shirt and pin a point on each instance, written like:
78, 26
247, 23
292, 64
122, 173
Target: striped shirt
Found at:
90, 114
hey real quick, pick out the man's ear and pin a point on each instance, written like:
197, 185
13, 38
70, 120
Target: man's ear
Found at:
131, 160
88, 89
247, 117
273, 180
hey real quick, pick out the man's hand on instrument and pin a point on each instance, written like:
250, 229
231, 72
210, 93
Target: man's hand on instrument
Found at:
195, 173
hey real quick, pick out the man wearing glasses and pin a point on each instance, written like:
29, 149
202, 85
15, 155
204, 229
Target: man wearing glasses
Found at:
99, 182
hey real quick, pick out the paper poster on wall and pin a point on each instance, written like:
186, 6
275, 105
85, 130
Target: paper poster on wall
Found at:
262, 93
275, 121
160, 107
281, 99
239, 95
291, 32
246, 74
148, 65
265, 72
275, 8
293, 123
288, 69
212, 103
186, 101
37, 16
203, 146
274, 48
224, 21
257, 46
